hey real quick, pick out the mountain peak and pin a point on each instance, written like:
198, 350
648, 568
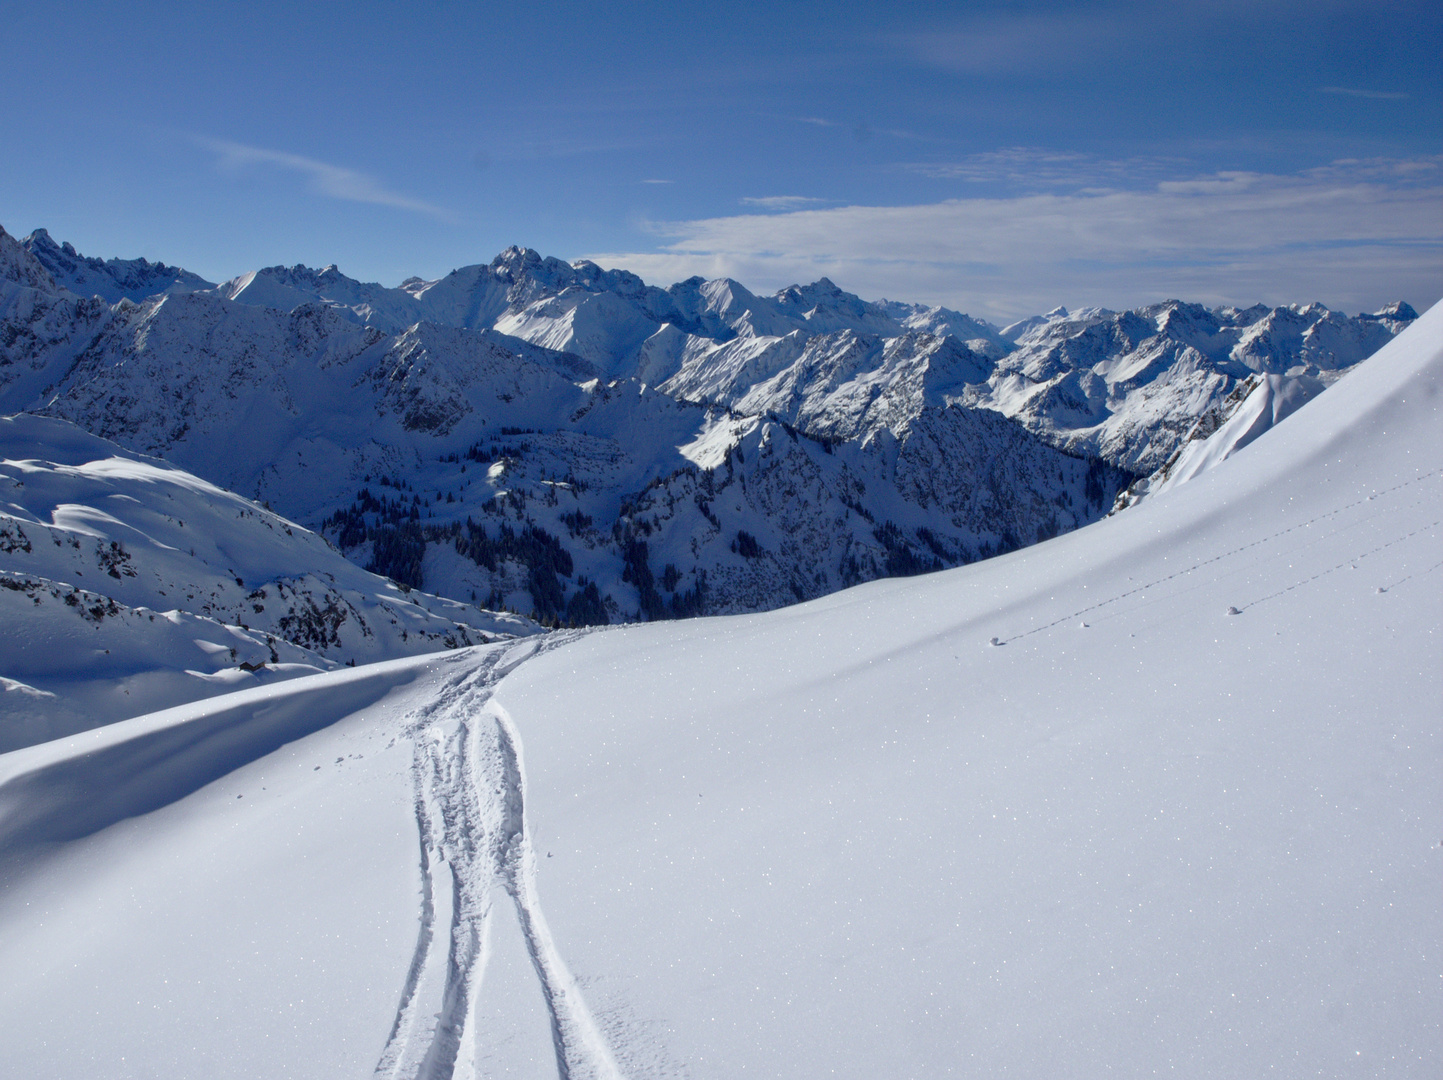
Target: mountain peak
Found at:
515, 256
19, 264
40, 238
1396, 310
112, 280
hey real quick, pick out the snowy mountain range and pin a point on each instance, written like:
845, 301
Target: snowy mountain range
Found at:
1159, 795
570, 442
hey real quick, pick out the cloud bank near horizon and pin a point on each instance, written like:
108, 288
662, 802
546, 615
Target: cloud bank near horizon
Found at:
1353, 234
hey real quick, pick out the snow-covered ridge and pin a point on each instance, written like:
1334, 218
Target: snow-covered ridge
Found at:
1122, 385
1255, 405
129, 584
111, 279
1128, 386
496, 471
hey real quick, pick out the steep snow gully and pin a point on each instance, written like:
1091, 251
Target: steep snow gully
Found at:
470, 809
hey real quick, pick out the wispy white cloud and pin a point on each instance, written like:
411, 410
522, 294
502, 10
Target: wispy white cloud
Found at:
1394, 171
782, 202
998, 42
1375, 95
1220, 183
333, 181
658, 181
1346, 235
1037, 167
862, 131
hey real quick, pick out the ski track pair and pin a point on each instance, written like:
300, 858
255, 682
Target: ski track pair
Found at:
470, 810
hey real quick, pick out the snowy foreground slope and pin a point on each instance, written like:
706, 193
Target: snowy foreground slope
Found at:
1159, 796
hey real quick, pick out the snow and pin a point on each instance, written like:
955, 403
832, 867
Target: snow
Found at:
113, 279
1271, 401
129, 585
1126, 385
141, 949
852, 837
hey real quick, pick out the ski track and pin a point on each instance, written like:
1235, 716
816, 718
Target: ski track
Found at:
1185, 571
470, 814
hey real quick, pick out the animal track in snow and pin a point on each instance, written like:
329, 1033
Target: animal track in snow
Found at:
1183, 572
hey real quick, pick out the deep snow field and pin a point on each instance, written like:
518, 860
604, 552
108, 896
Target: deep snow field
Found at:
1162, 796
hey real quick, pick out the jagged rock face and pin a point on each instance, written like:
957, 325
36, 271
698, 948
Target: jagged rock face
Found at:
155, 371
568, 440
1254, 405
783, 517
1125, 385
41, 333
494, 470
19, 266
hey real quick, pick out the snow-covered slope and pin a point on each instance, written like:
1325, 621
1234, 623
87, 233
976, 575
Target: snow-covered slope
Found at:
1255, 405
1159, 795
129, 585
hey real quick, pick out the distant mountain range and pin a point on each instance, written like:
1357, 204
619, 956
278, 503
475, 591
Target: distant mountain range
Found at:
569, 442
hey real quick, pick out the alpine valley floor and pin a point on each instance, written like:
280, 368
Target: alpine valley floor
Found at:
1160, 796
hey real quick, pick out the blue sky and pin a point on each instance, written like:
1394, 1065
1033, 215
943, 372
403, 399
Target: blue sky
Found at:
1000, 158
